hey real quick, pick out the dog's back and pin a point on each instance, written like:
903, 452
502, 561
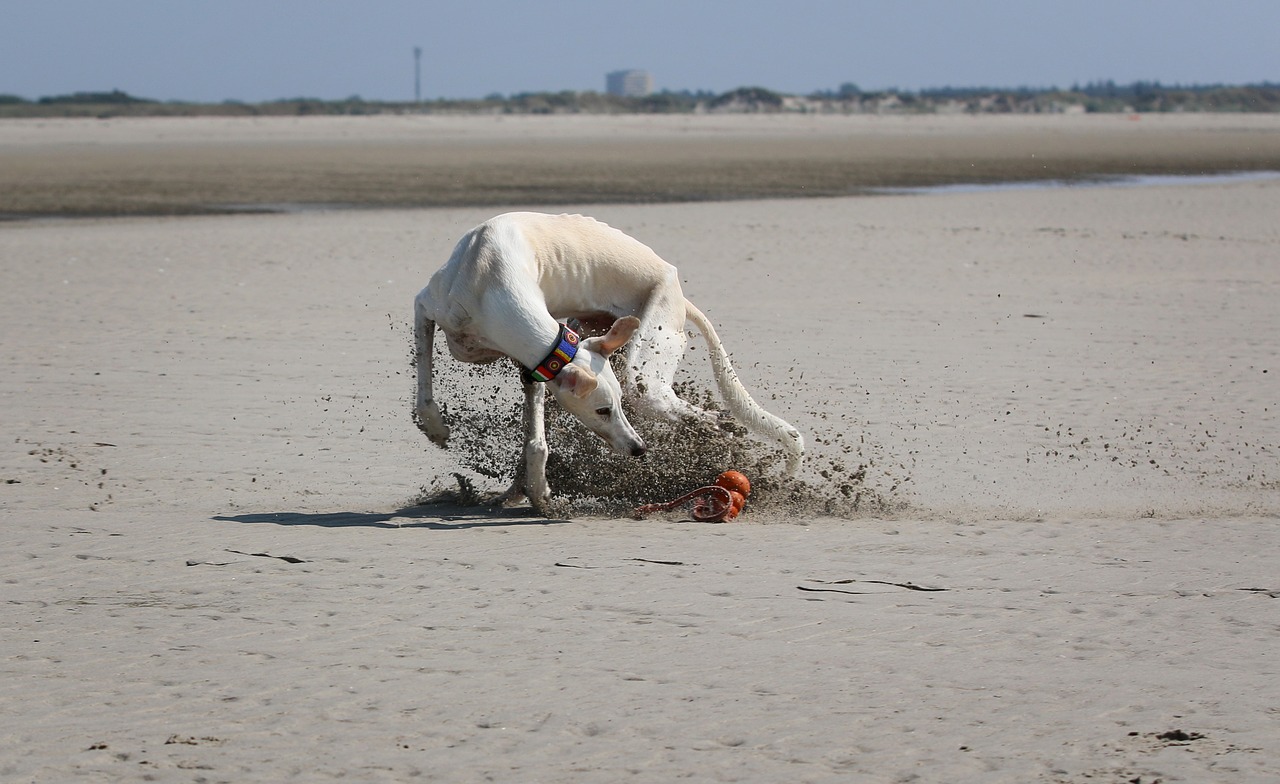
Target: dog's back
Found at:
581, 265
584, 266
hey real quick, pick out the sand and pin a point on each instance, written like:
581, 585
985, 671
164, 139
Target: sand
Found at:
1063, 402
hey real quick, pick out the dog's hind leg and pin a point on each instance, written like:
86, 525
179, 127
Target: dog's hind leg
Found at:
426, 414
654, 355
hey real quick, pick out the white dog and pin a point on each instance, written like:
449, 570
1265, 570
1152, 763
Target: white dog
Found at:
505, 290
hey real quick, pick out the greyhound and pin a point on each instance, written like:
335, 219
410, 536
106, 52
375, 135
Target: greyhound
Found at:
504, 292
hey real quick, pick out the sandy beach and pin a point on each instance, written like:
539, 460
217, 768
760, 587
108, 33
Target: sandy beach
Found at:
1058, 408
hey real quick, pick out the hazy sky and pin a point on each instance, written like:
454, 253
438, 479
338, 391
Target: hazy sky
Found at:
255, 50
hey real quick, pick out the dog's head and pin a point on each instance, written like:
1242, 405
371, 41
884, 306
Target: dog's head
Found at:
589, 389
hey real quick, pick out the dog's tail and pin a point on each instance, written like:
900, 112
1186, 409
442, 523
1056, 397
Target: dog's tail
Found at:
739, 401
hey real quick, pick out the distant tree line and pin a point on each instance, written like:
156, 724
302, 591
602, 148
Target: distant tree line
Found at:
848, 98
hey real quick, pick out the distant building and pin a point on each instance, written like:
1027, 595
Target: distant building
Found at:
629, 84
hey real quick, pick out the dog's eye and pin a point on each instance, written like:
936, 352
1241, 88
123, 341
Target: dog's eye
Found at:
604, 412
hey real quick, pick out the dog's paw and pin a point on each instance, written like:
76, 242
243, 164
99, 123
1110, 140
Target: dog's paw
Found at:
439, 435
539, 502
510, 496
429, 421
539, 499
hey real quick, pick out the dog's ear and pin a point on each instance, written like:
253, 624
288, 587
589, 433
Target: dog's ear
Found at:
616, 337
576, 381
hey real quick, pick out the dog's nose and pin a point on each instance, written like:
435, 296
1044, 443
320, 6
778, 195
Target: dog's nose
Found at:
638, 450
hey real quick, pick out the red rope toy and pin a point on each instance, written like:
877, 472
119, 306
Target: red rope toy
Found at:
717, 503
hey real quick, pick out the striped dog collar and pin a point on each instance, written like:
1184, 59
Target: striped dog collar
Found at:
563, 353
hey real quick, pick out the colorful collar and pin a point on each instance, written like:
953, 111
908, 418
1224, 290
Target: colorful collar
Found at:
563, 353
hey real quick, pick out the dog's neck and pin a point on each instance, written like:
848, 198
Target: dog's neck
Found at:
561, 354
525, 339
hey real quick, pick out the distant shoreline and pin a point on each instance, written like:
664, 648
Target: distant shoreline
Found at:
214, 165
1095, 97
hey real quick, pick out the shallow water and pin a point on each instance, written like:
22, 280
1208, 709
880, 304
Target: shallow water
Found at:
1137, 181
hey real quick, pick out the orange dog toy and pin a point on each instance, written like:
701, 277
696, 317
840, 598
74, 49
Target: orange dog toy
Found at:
715, 503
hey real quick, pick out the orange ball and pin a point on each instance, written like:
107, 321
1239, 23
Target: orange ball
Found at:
735, 481
738, 500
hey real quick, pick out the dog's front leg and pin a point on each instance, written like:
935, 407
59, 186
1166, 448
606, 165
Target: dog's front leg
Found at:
535, 447
425, 411
531, 474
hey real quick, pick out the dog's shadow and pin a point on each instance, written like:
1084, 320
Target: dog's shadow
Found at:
436, 517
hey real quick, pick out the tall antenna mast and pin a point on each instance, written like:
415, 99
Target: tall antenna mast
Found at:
417, 74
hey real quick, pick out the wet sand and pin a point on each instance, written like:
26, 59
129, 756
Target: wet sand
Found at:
160, 166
